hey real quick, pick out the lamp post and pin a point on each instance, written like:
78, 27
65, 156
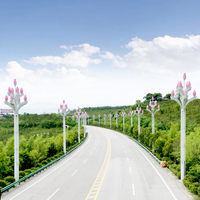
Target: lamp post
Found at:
131, 114
64, 110
181, 97
88, 119
78, 116
137, 112
99, 116
153, 104
123, 114
15, 103
84, 117
93, 119
116, 115
110, 116
104, 119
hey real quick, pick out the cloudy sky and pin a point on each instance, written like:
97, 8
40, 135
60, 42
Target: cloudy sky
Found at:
97, 52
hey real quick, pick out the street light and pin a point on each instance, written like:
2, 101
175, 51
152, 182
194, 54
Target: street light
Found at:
77, 114
153, 104
123, 114
15, 103
104, 119
181, 97
131, 114
116, 115
84, 117
64, 110
110, 116
99, 116
137, 112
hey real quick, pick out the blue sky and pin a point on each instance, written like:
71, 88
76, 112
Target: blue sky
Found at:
95, 53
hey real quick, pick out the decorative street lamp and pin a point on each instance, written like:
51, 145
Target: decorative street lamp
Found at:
110, 116
181, 97
116, 115
93, 119
88, 119
99, 116
153, 104
64, 111
78, 115
16, 104
104, 119
123, 114
84, 117
137, 112
131, 114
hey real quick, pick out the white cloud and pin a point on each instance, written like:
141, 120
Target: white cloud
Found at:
162, 54
81, 57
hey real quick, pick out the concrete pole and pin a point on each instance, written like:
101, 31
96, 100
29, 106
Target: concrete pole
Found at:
153, 125
79, 129
138, 123
16, 147
183, 149
64, 135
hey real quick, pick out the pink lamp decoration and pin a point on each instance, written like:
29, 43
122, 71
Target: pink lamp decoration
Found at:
131, 114
139, 112
63, 110
181, 97
15, 104
116, 115
77, 114
123, 114
84, 117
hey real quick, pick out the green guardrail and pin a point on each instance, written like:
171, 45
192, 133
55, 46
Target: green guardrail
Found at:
144, 148
38, 170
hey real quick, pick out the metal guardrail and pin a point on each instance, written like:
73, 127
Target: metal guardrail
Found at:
145, 148
38, 170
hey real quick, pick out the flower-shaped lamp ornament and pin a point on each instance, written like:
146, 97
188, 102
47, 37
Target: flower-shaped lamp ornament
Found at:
151, 108
104, 119
110, 116
116, 115
139, 112
123, 114
84, 116
78, 116
15, 103
64, 110
131, 114
181, 97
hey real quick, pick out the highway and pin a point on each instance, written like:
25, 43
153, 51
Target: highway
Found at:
107, 166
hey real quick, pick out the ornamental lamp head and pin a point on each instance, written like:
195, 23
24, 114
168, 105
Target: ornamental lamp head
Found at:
194, 93
25, 98
15, 82
158, 107
184, 76
21, 90
172, 93
6, 98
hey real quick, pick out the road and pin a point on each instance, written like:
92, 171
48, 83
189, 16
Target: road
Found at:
107, 166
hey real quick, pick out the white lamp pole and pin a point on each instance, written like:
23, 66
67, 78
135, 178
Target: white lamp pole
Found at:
110, 116
153, 104
88, 118
16, 104
64, 111
78, 115
131, 114
84, 117
182, 92
123, 114
93, 119
99, 116
139, 112
116, 115
104, 119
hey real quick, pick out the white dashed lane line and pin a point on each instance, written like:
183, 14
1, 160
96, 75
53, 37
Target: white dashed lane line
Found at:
74, 172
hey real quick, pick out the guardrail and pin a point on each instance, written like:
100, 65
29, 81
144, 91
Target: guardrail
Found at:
145, 148
38, 170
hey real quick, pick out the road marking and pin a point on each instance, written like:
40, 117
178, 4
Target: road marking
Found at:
127, 158
91, 153
130, 169
85, 161
94, 191
156, 171
123, 147
133, 190
94, 148
74, 172
52, 170
53, 193
125, 152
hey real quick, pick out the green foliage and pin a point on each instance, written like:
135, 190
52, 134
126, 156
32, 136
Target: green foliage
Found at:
10, 179
3, 183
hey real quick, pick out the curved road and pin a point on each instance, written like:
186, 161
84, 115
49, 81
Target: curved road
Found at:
108, 166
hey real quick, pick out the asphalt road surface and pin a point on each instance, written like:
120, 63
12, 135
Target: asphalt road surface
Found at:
107, 166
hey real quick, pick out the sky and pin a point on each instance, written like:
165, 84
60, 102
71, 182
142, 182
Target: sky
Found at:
97, 52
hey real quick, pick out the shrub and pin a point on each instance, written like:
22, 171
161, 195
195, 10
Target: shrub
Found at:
3, 183
9, 179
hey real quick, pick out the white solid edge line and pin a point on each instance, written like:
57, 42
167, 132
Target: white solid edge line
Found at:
133, 190
74, 172
53, 193
156, 171
51, 171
